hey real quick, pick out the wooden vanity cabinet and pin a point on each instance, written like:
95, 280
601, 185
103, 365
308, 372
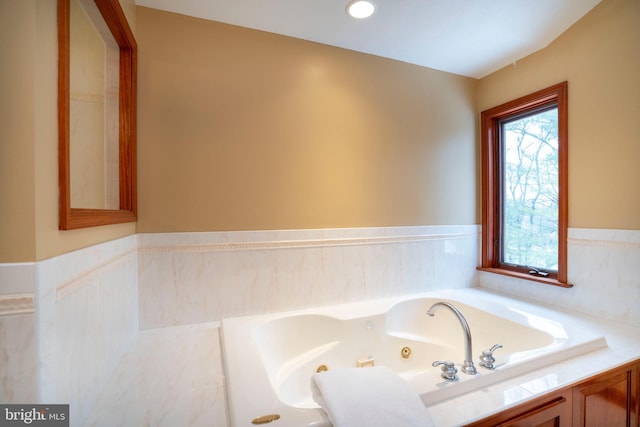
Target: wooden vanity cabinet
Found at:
611, 399
552, 410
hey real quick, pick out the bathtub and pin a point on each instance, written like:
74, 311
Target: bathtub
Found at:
269, 359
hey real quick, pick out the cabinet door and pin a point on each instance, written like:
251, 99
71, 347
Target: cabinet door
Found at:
553, 410
607, 401
556, 413
635, 395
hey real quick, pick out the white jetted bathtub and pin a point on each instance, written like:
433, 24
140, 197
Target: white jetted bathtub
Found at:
269, 359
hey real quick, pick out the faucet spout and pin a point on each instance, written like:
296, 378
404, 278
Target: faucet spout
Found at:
468, 367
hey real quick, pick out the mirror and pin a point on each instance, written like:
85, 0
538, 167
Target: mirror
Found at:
97, 114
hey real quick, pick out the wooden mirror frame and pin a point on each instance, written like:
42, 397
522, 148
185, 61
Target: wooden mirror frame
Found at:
70, 217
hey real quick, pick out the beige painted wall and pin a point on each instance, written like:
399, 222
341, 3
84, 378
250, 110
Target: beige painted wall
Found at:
241, 129
29, 147
17, 185
600, 58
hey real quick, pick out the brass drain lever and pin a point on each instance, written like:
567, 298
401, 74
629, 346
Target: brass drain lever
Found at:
266, 419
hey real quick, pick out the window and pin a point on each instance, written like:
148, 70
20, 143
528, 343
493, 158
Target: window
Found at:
524, 187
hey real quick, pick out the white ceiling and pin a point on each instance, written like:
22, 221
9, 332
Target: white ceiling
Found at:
468, 37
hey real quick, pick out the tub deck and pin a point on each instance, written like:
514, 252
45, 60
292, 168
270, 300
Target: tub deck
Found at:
174, 376
269, 360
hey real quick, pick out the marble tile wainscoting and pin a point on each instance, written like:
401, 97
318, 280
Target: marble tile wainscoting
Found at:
128, 325
187, 278
603, 267
18, 339
65, 345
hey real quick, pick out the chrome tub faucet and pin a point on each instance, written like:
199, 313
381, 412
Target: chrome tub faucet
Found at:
467, 367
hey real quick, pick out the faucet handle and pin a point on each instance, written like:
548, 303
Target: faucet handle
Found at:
486, 358
448, 369
494, 348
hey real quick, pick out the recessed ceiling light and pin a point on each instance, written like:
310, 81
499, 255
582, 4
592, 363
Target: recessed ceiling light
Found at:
360, 8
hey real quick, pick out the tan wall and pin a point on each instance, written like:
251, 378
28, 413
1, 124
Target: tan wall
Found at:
17, 186
241, 129
29, 150
600, 58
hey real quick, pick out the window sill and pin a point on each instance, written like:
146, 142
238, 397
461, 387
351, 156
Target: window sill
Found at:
524, 276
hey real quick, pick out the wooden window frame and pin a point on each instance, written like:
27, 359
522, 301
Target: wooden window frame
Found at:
491, 177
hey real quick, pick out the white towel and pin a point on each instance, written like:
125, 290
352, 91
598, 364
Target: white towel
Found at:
368, 397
